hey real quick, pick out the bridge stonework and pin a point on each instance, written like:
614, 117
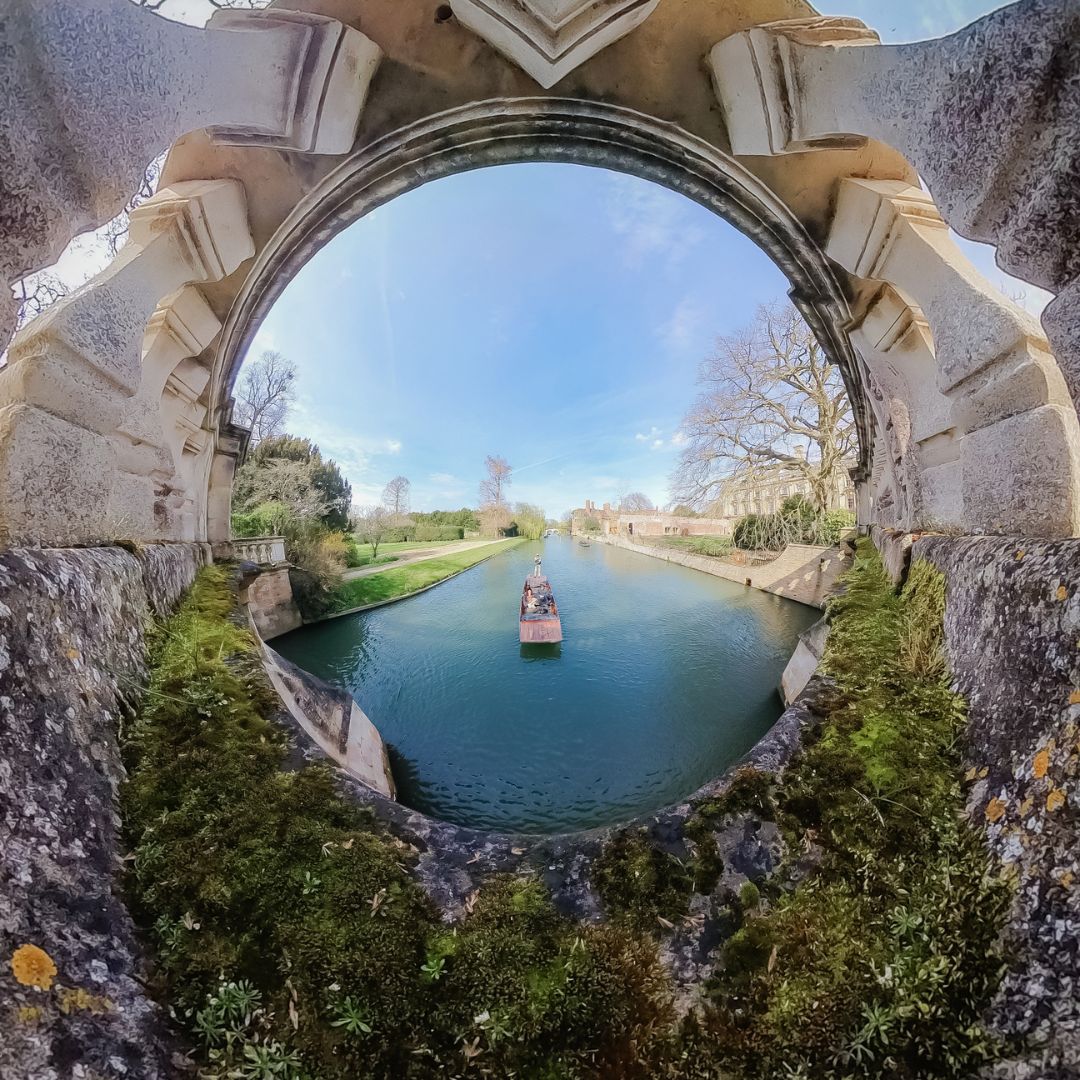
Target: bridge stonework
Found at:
285, 125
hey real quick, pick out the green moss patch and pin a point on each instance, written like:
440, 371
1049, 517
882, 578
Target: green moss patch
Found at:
291, 939
882, 962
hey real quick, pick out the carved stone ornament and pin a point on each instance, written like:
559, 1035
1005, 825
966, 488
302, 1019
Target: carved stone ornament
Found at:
549, 38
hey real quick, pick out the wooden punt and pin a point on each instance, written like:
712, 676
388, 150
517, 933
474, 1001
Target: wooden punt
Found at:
539, 621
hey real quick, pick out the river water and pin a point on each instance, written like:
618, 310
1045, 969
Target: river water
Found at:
665, 677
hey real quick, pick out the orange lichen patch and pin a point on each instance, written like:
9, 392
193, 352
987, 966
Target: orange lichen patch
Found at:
32, 966
971, 773
1041, 764
28, 1014
75, 999
73, 654
1020, 554
1074, 698
995, 809
1026, 805
1062, 593
1066, 879
1055, 800
983, 772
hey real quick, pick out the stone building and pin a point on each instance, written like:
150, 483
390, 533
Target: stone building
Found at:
644, 522
764, 492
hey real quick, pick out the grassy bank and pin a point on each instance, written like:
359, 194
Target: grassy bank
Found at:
403, 580
291, 940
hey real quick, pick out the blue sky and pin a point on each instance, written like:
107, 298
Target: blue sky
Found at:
553, 314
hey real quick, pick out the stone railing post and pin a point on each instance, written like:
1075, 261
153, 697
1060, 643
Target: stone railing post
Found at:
1008, 401
989, 116
72, 372
163, 431
96, 89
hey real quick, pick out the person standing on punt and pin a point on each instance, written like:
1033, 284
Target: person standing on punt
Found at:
536, 565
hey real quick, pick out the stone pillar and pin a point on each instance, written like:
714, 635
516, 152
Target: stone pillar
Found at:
989, 116
894, 341
1009, 405
163, 433
229, 449
72, 372
96, 89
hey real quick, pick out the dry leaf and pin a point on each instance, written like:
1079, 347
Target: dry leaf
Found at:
995, 809
772, 959
1055, 800
294, 1016
1062, 593
667, 924
346, 844
1040, 764
517, 851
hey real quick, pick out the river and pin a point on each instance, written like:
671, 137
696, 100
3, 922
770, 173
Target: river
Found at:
665, 677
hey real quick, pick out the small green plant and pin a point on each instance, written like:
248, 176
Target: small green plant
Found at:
311, 884
433, 968
352, 1016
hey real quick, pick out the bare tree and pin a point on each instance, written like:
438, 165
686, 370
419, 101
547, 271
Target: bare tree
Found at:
396, 496
371, 524
266, 393
115, 232
636, 500
35, 293
770, 399
493, 486
494, 509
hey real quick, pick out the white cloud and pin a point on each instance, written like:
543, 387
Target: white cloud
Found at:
680, 332
642, 437
393, 446
657, 443
444, 479
653, 221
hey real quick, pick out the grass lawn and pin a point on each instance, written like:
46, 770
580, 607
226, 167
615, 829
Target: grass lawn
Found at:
402, 580
695, 545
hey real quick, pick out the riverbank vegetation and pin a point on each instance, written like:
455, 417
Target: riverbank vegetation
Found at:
874, 949
401, 581
292, 940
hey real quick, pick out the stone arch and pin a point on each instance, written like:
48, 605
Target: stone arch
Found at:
554, 130
958, 383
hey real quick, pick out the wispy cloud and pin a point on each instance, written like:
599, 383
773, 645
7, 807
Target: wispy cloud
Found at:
682, 329
655, 224
652, 433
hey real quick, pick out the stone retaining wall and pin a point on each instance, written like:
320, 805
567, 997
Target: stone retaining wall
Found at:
72, 664
1012, 628
800, 572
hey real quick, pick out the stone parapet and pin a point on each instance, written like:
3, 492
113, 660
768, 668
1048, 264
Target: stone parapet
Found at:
72, 665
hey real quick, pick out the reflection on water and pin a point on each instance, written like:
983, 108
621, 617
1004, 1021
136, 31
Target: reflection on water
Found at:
665, 676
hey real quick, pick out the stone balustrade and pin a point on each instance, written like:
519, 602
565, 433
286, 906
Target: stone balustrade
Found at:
104, 86
989, 116
71, 416
967, 374
264, 550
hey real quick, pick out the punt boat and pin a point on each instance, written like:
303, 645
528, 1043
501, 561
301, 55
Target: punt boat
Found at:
539, 620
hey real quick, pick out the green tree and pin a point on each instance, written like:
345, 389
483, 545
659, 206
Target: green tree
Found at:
292, 471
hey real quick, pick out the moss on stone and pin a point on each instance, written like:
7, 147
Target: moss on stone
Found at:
882, 961
288, 926
289, 929
639, 884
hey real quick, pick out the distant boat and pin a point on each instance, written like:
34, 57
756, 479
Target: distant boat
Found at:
585, 543
538, 618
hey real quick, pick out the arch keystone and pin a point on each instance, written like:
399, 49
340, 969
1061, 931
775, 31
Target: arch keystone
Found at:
550, 38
